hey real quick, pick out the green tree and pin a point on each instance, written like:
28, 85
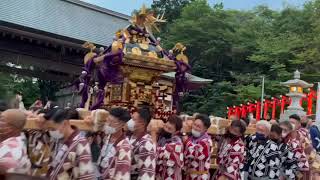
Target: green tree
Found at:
48, 89
29, 89
210, 35
171, 10
236, 48
5, 81
10, 84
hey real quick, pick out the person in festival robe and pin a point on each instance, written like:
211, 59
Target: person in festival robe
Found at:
305, 123
288, 164
3, 105
13, 151
262, 156
315, 135
18, 102
303, 136
115, 158
37, 105
71, 158
144, 149
170, 150
273, 121
197, 151
40, 145
231, 152
289, 136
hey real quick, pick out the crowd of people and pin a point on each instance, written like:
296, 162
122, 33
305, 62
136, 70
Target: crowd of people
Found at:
278, 150
125, 149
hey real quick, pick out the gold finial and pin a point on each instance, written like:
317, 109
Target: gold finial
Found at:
147, 19
89, 45
90, 54
119, 33
181, 57
143, 10
152, 22
179, 47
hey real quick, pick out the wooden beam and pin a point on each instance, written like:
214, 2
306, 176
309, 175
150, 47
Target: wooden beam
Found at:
36, 74
16, 58
80, 124
38, 36
98, 116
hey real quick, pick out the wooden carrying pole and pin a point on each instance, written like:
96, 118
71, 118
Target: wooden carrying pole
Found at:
154, 125
99, 118
80, 124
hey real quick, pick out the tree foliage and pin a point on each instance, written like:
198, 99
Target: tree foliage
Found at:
235, 48
11, 84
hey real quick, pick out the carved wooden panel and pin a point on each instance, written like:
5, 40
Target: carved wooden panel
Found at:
116, 93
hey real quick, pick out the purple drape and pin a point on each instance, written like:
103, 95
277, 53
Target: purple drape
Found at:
108, 71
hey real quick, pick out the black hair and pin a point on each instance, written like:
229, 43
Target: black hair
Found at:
43, 111
146, 114
176, 120
239, 124
205, 119
295, 116
247, 121
56, 115
53, 105
3, 105
120, 113
34, 109
72, 114
276, 128
287, 124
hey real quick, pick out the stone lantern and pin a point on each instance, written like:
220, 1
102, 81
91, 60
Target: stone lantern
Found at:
296, 87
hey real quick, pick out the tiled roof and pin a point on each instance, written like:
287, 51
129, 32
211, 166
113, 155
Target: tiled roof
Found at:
193, 82
69, 18
191, 78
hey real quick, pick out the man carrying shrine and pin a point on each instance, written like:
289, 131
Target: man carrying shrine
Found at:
290, 137
303, 134
170, 150
71, 158
13, 152
262, 154
197, 151
288, 164
144, 149
115, 157
231, 152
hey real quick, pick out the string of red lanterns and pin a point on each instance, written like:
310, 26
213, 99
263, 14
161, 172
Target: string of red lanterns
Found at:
272, 104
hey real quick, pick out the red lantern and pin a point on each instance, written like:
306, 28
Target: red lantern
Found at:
258, 107
265, 108
243, 111
238, 111
289, 100
274, 106
283, 103
230, 112
251, 107
310, 96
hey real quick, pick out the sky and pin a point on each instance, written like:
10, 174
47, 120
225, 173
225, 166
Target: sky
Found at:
127, 6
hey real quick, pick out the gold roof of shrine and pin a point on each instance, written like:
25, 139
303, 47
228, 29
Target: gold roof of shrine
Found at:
145, 61
142, 49
139, 46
